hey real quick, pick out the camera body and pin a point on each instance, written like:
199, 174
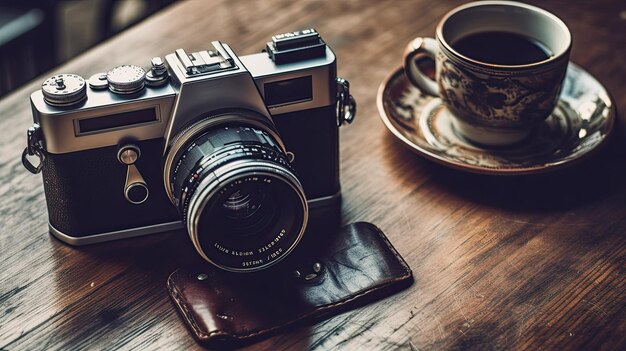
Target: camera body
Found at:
111, 145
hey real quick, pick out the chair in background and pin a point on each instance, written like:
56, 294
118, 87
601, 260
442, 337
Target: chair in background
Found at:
27, 41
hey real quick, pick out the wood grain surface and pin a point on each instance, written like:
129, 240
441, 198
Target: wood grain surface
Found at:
534, 262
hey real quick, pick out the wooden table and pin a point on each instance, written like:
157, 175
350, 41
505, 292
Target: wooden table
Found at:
500, 263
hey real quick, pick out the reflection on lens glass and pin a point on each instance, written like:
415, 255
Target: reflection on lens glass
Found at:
248, 210
242, 204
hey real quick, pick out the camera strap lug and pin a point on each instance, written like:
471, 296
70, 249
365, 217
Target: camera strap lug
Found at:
34, 147
346, 106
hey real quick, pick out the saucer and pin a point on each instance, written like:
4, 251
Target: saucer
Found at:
579, 125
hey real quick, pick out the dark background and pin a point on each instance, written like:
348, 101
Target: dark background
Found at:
37, 35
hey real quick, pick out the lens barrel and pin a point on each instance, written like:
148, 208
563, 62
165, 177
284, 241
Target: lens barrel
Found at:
243, 206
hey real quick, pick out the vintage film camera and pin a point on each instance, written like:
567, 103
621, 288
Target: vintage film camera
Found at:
237, 150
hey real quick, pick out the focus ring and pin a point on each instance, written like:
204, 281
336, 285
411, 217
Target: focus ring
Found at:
181, 141
218, 146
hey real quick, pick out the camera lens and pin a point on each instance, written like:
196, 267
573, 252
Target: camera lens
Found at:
243, 206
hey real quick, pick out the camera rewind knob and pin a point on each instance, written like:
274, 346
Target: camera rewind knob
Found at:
64, 90
135, 188
126, 79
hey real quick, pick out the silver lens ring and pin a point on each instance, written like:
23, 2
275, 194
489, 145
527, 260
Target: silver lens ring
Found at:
186, 136
210, 185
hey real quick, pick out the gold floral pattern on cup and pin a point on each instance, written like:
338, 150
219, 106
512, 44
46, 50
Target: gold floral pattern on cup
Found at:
493, 104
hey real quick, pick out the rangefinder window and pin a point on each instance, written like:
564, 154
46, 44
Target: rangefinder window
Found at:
288, 91
118, 120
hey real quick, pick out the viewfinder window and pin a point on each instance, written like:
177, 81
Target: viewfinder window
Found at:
288, 91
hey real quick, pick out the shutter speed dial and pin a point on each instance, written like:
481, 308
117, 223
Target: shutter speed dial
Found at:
135, 188
126, 79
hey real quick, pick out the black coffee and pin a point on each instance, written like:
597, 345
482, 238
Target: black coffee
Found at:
502, 48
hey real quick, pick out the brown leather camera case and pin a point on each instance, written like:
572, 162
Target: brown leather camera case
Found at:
354, 267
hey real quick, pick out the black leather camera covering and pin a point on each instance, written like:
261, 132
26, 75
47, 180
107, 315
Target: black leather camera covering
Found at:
85, 191
313, 137
358, 265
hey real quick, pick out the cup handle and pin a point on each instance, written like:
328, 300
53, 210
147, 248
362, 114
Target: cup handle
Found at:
420, 47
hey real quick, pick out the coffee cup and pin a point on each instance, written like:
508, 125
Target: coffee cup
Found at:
500, 66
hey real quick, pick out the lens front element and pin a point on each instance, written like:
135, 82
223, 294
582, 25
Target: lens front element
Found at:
243, 206
250, 238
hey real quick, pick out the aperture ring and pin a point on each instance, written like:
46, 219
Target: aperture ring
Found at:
213, 147
184, 138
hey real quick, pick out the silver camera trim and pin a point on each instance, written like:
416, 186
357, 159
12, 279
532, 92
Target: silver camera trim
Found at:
116, 234
321, 70
157, 228
59, 124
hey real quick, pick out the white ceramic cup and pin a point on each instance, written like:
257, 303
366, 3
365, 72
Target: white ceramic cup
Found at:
493, 104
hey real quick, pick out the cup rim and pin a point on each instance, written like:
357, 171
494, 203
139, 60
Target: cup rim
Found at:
560, 23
